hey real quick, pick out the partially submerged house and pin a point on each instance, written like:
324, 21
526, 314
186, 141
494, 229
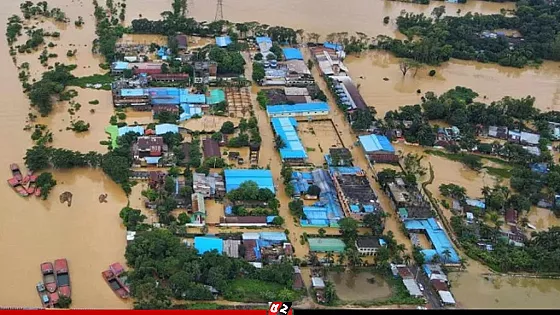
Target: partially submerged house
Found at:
378, 149
368, 245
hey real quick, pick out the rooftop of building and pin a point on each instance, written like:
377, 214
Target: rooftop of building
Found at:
376, 143
369, 242
126, 129
292, 53
437, 236
326, 245
223, 41
356, 189
285, 128
211, 148
206, 244
297, 108
235, 177
162, 129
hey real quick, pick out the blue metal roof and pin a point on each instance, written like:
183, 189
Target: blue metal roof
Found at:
476, 203
126, 129
133, 92
273, 236
165, 128
263, 39
152, 159
235, 177
284, 128
374, 143
196, 98
120, 65
437, 236
223, 41
297, 108
206, 244
334, 46
292, 54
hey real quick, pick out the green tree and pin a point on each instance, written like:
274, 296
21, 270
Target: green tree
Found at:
349, 228
131, 218
227, 128
314, 190
278, 221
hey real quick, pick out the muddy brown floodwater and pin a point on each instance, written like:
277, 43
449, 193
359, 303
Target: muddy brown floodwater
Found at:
90, 234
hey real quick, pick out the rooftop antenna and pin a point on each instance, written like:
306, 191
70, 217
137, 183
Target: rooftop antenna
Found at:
219, 11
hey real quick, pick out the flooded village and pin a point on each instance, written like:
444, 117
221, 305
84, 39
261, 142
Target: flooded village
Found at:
282, 154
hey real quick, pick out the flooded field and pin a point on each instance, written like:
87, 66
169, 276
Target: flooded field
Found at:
370, 69
352, 286
317, 137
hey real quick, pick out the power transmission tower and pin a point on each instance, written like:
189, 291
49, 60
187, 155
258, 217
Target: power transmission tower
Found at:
219, 11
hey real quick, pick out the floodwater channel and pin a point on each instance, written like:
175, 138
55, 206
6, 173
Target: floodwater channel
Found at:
91, 236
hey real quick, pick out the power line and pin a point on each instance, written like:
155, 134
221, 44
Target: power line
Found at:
219, 11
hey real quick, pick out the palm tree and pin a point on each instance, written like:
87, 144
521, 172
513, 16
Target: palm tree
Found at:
407, 259
436, 258
341, 258
486, 191
330, 257
399, 249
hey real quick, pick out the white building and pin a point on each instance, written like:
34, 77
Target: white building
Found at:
368, 246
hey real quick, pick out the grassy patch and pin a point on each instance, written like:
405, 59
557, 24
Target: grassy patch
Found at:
83, 82
251, 290
499, 172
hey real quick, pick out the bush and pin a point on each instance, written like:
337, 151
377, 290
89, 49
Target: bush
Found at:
432, 73
94, 102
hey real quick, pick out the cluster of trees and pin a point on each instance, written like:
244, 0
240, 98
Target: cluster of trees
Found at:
362, 119
250, 191
538, 254
45, 182
164, 197
248, 134
116, 163
231, 62
52, 84
132, 219
257, 76
441, 38
108, 31
30, 10
165, 269
13, 28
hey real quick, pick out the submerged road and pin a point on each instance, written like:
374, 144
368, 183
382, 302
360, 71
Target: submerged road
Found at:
432, 297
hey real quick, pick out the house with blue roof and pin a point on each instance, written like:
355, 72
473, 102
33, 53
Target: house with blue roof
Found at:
118, 67
126, 129
205, 244
293, 152
292, 54
235, 177
436, 234
378, 149
308, 110
162, 129
223, 41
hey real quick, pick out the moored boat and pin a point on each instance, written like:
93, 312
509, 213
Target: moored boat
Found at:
62, 277
16, 173
43, 295
54, 299
27, 177
32, 184
49, 278
37, 192
115, 284
16, 185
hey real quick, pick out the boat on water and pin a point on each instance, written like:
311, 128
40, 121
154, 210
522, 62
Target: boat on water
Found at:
16, 173
116, 280
16, 185
62, 277
43, 294
32, 184
49, 278
37, 192
27, 177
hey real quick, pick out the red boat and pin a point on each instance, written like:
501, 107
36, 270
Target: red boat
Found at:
49, 278
115, 281
16, 173
27, 177
18, 187
62, 277
53, 299
32, 184
37, 192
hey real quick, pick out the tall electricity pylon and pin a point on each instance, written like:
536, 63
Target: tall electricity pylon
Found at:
219, 11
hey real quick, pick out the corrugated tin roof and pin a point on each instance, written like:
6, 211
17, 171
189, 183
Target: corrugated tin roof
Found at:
292, 53
326, 245
152, 159
476, 203
126, 129
273, 236
263, 39
412, 287
133, 92
223, 41
165, 128
251, 236
318, 282
206, 244
446, 297
120, 65
235, 177
284, 128
297, 108
375, 143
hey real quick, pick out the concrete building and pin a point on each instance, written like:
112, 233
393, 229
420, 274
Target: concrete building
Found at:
368, 245
235, 177
293, 153
210, 186
378, 149
303, 110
